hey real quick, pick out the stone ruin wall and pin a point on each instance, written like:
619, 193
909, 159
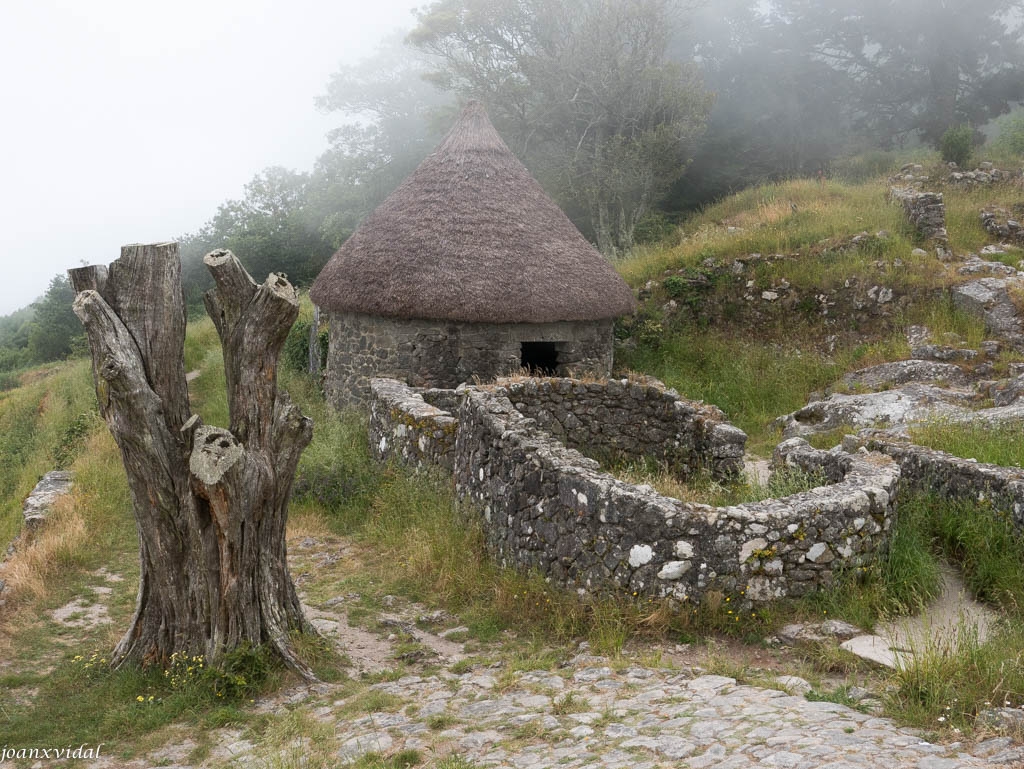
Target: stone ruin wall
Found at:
545, 506
929, 470
619, 420
925, 210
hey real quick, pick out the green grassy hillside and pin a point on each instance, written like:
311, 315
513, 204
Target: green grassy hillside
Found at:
819, 248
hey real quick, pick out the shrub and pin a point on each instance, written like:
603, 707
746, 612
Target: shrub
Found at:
656, 228
957, 144
675, 286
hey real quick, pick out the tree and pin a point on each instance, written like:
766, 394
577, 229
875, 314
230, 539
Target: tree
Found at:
917, 67
54, 327
294, 221
583, 91
275, 225
776, 114
394, 117
210, 504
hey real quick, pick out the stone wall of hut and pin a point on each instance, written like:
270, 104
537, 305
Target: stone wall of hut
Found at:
427, 353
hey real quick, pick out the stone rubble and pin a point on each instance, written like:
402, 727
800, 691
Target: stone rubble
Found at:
940, 380
895, 408
985, 174
990, 299
1003, 225
54, 485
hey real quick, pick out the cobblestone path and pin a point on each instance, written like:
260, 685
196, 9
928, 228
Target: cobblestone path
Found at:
641, 718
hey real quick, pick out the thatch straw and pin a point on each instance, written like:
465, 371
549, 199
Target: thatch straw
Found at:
471, 236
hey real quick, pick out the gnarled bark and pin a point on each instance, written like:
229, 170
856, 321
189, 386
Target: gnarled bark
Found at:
211, 504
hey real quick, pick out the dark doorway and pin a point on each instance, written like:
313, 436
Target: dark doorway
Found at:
540, 358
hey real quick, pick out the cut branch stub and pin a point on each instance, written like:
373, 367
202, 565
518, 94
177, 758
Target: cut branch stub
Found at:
253, 323
158, 327
93, 277
234, 287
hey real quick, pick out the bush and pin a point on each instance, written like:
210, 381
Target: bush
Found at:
957, 144
675, 286
656, 228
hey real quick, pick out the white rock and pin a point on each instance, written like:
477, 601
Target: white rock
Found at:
684, 550
749, 547
674, 569
794, 684
640, 554
817, 553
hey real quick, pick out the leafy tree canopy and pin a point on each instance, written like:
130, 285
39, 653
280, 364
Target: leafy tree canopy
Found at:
915, 67
54, 327
583, 90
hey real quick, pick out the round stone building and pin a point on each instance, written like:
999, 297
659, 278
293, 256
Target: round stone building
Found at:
467, 270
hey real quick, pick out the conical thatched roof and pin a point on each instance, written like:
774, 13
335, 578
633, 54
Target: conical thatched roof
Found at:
471, 236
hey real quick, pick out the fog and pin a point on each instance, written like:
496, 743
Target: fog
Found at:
129, 122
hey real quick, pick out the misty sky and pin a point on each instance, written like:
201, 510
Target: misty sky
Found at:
129, 121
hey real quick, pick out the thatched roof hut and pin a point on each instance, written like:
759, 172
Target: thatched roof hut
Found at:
467, 270
471, 236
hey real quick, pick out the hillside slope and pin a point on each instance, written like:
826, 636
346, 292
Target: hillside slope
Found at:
777, 292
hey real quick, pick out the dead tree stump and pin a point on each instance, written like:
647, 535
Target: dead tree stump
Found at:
210, 504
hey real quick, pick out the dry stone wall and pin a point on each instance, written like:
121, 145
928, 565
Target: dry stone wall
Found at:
545, 506
405, 427
929, 470
621, 419
925, 210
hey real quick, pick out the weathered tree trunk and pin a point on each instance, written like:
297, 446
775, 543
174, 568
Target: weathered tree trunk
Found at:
211, 505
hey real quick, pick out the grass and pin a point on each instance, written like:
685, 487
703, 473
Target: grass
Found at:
570, 702
948, 685
942, 689
756, 376
758, 370
43, 425
118, 707
987, 546
705, 490
1000, 443
902, 583
752, 382
804, 216
373, 702
775, 218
